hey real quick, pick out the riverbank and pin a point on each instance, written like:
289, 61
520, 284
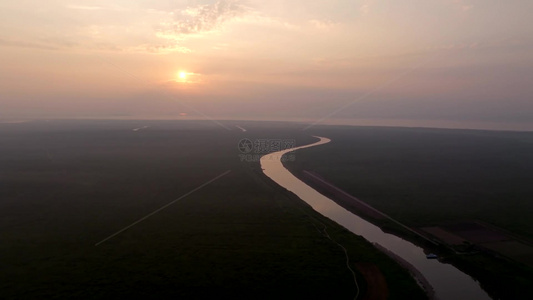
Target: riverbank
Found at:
399, 282
238, 237
357, 206
397, 170
447, 281
496, 274
366, 211
420, 278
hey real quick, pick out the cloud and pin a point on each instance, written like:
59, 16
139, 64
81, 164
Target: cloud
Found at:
365, 6
323, 25
462, 5
158, 49
84, 7
203, 18
24, 44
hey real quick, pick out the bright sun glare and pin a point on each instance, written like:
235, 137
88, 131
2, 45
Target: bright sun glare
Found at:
182, 75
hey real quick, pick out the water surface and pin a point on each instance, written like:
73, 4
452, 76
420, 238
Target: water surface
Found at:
447, 281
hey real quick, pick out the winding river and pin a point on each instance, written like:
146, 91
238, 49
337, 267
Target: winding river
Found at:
447, 281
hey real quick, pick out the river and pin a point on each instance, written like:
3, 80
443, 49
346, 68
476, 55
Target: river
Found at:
447, 281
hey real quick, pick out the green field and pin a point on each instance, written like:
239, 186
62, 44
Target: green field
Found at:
67, 185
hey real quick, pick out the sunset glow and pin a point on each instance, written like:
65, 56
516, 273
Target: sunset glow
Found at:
278, 149
451, 57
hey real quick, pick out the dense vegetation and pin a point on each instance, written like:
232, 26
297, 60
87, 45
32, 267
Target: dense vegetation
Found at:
66, 185
430, 177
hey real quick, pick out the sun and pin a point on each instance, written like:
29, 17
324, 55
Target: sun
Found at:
186, 77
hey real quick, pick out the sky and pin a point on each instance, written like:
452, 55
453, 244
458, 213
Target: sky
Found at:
320, 61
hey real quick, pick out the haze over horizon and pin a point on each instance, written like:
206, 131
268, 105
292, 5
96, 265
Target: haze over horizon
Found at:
343, 61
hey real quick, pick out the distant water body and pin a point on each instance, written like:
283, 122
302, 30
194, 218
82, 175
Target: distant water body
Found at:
444, 124
447, 281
